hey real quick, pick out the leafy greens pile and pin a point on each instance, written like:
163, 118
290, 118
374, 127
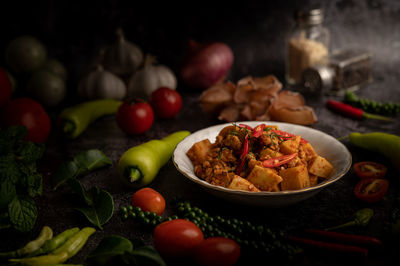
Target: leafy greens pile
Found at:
19, 180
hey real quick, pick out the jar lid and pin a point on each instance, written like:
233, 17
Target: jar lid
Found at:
310, 17
318, 77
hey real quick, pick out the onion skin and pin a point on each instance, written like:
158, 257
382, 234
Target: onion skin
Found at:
206, 64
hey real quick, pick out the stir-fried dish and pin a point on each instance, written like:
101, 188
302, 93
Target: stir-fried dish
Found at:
263, 158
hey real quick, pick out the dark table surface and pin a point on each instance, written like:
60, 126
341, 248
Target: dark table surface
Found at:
256, 40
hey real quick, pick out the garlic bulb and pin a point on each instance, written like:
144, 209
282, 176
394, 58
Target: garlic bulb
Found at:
122, 57
150, 78
101, 84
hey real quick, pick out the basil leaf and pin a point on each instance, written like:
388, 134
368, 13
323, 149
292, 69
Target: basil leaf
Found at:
23, 213
66, 171
91, 160
77, 188
102, 209
34, 184
9, 137
7, 192
109, 247
145, 255
9, 169
83, 163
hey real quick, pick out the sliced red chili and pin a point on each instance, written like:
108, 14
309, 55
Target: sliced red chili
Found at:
245, 151
369, 170
371, 189
246, 126
258, 130
286, 135
277, 161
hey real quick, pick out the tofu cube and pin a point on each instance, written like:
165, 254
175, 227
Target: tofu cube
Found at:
265, 179
313, 180
198, 152
267, 153
320, 167
239, 183
294, 178
290, 146
308, 150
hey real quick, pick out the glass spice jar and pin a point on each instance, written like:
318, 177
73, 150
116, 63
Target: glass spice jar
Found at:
307, 45
347, 69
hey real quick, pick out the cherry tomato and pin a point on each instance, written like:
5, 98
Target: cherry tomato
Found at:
135, 116
371, 189
166, 102
149, 200
369, 169
5, 87
218, 251
28, 113
177, 238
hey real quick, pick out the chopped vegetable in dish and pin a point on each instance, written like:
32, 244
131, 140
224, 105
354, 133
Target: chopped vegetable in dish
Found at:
260, 159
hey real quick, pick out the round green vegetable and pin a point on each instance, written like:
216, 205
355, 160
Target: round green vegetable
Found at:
48, 88
54, 66
139, 165
25, 54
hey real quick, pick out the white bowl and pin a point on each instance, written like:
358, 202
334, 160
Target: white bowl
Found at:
325, 145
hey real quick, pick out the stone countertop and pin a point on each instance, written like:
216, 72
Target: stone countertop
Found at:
333, 205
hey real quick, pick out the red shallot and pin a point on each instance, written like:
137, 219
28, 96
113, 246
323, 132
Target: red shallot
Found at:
206, 64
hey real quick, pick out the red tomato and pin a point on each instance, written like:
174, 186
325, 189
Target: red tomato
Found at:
135, 116
177, 238
5, 87
218, 251
149, 200
31, 114
369, 169
371, 189
166, 102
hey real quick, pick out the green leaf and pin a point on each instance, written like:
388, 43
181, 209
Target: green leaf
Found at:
7, 192
30, 152
34, 185
145, 255
102, 209
66, 171
9, 137
77, 188
9, 168
23, 213
109, 247
91, 160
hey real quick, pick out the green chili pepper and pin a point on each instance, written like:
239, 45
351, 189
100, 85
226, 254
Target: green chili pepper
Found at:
76, 119
384, 143
75, 243
50, 259
361, 218
139, 165
54, 243
45, 234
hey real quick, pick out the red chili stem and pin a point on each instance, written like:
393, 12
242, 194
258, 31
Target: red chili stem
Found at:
346, 238
333, 247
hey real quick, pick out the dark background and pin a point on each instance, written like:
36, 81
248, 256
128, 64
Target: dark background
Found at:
73, 32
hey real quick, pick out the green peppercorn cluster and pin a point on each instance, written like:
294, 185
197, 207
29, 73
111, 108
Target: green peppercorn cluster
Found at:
372, 106
258, 239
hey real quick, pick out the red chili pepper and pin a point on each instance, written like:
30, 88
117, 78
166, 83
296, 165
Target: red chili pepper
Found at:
246, 126
335, 247
286, 135
353, 112
346, 238
277, 161
258, 130
245, 151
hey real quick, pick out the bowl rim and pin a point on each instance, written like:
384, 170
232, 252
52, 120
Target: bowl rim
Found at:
321, 185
